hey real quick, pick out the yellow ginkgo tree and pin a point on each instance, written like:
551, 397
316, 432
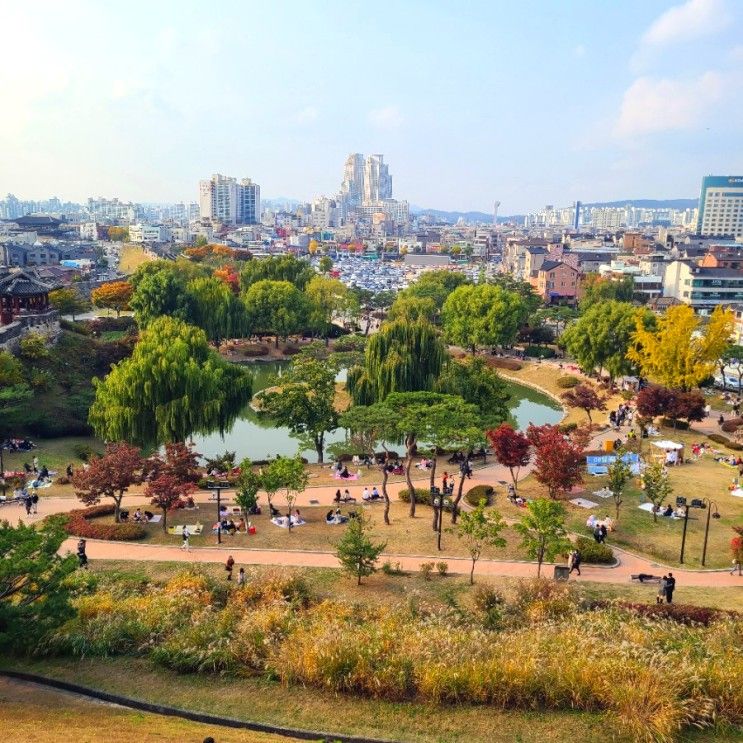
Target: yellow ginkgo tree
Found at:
681, 352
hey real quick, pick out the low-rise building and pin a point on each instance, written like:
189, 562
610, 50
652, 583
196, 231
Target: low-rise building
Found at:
557, 282
703, 288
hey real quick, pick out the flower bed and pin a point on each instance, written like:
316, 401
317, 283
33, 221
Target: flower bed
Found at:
79, 525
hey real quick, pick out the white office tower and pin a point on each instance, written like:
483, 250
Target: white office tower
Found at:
721, 206
223, 199
352, 187
496, 204
377, 179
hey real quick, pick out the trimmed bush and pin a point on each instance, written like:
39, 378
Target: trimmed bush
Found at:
682, 613
567, 381
594, 553
674, 423
504, 363
725, 441
79, 525
480, 492
253, 350
568, 427
426, 569
731, 425
85, 452
422, 495
291, 350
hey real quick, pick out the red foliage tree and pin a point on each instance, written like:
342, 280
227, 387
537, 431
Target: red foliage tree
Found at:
585, 397
512, 449
109, 476
557, 460
655, 400
230, 277
167, 492
180, 461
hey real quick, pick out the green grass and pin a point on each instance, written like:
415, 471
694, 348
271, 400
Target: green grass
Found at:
47, 716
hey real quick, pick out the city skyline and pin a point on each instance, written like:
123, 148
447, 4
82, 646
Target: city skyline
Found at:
530, 105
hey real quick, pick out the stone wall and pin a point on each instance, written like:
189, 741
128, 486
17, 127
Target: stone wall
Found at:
46, 323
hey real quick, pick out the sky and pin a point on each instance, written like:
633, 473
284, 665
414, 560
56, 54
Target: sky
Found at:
529, 102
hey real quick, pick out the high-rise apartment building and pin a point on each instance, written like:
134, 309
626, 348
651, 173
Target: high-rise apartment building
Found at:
223, 199
377, 179
352, 187
721, 206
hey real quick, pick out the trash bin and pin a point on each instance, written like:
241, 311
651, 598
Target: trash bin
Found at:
562, 572
608, 445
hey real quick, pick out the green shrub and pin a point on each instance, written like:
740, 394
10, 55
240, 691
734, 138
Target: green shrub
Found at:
41, 380
479, 492
85, 452
392, 568
443, 568
594, 553
673, 423
291, 350
74, 327
350, 343
539, 352
422, 495
568, 427
33, 347
567, 381
253, 350
719, 439
731, 425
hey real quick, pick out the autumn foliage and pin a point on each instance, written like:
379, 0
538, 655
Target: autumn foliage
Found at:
167, 493
585, 397
512, 449
109, 476
557, 459
114, 295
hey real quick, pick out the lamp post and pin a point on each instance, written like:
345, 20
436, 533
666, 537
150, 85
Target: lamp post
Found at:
710, 505
682, 502
218, 486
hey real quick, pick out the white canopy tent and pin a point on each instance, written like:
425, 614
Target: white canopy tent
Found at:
668, 445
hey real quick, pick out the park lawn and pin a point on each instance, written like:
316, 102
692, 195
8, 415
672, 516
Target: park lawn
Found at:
56, 454
132, 257
48, 716
636, 530
441, 592
403, 536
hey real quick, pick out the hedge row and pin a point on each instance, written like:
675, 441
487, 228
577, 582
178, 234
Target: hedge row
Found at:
682, 613
566, 381
79, 525
725, 441
505, 363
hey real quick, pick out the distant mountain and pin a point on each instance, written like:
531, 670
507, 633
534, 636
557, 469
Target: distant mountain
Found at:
648, 203
280, 203
453, 217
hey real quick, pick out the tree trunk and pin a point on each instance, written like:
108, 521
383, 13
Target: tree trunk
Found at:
358, 581
319, 447
433, 468
165, 520
276, 341
515, 477
540, 560
472, 573
117, 509
617, 503
408, 464
455, 504
385, 475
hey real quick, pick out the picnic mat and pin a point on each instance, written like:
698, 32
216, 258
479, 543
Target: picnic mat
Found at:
646, 507
603, 493
738, 492
583, 503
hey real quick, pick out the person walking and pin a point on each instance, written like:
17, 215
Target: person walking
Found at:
663, 588
27, 502
670, 588
575, 561
82, 557
35, 502
186, 536
35, 464
737, 566
229, 565
241, 577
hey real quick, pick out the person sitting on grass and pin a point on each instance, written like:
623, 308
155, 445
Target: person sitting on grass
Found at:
345, 474
667, 511
138, 516
231, 528
375, 493
337, 498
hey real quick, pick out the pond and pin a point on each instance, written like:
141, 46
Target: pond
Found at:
253, 437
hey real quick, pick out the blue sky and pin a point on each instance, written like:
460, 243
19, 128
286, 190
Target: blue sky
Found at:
526, 102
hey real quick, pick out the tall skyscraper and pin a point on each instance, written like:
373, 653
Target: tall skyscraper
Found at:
576, 216
377, 179
496, 204
352, 187
721, 206
223, 199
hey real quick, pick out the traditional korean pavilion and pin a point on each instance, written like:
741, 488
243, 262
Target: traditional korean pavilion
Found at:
22, 293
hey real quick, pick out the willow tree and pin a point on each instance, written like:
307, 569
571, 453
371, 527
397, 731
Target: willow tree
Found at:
401, 357
173, 385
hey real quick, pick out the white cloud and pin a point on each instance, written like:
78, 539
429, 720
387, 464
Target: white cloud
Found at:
692, 20
307, 115
388, 117
652, 105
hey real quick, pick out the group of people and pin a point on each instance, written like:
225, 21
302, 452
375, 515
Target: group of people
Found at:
514, 497
574, 560
18, 445
229, 566
623, 414
333, 517
341, 471
668, 511
289, 519
666, 589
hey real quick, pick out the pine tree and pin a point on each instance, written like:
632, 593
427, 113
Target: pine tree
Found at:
355, 551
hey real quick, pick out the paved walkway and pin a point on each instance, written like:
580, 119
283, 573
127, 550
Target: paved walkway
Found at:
628, 564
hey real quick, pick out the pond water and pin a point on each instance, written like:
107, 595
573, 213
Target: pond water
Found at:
257, 438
